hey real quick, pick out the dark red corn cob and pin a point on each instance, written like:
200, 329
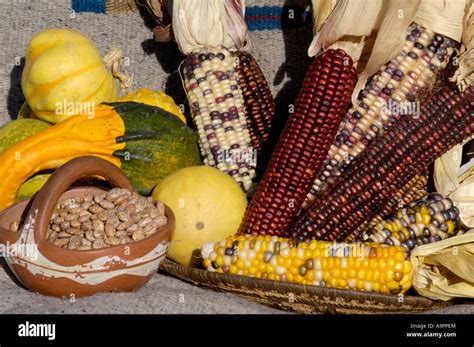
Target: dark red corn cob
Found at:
387, 164
258, 98
303, 145
415, 189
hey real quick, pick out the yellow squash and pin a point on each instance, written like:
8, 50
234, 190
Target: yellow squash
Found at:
155, 98
64, 74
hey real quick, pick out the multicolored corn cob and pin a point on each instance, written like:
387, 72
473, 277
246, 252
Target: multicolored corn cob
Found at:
412, 191
303, 144
211, 82
428, 220
360, 266
387, 164
259, 102
423, 55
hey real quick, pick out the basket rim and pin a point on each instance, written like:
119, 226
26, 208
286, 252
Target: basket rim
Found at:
263, 289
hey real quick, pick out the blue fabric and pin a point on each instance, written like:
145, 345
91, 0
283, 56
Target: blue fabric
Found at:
257, 17
95, 6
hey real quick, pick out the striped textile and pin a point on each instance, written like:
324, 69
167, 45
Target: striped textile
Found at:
257, 17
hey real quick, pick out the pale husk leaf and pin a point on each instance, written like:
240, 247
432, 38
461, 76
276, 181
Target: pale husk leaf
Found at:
201, 24
444, 17
321, 11
444, 270
464, 74
456, 182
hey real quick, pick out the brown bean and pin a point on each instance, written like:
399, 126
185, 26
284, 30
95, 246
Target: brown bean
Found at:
71, 217
99, 197
75, 210
98, 225
84, 218
112, 241
131, 208
61, 242
74, 242
161, 221
76, 224
68, 203
75, 231
132, 228
107, 204
145, 222
53, 236
96, 209
160, 207
58, 220
65, 225
103, 216
88, 235
86, 226
55, 227
138, 235
63, 234
135, 218
85, 205
86, 242
98, 234
99, 243
109, 230
124, 225
63, 213
123, 216
113, 219
120, 200
84, 248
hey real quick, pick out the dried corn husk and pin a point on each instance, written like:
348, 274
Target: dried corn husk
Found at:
442, 17
464, 75
444, 270
377, 38
457, 183
200, 24
321, 11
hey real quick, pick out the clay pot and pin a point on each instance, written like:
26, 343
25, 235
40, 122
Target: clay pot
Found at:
48, 269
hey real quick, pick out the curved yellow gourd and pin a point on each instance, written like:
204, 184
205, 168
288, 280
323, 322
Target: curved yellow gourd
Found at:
63, 69
52, 147
155, 98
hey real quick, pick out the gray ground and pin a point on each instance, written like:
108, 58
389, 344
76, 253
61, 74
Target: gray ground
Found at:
282, 57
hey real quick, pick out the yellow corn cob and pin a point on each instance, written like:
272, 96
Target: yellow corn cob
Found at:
359, 266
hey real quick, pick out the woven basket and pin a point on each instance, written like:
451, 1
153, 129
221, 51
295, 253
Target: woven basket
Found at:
301, 298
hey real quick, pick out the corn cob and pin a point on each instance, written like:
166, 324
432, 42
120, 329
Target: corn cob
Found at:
303, 144
360, 266
414, 190
422, 56
217, 106
392, 160
259, 102
428, 220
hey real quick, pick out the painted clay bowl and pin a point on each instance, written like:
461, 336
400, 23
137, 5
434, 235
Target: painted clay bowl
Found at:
48, 269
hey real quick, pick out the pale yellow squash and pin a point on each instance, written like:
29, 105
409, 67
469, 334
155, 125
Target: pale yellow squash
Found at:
64, 74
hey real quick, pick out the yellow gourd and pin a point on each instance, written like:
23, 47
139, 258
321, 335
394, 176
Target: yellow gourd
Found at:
63, 74
155, 98
208, 205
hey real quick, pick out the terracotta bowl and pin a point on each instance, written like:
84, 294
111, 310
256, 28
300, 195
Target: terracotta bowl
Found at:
48, 269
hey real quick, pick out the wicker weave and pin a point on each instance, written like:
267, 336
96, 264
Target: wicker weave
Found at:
301, 298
